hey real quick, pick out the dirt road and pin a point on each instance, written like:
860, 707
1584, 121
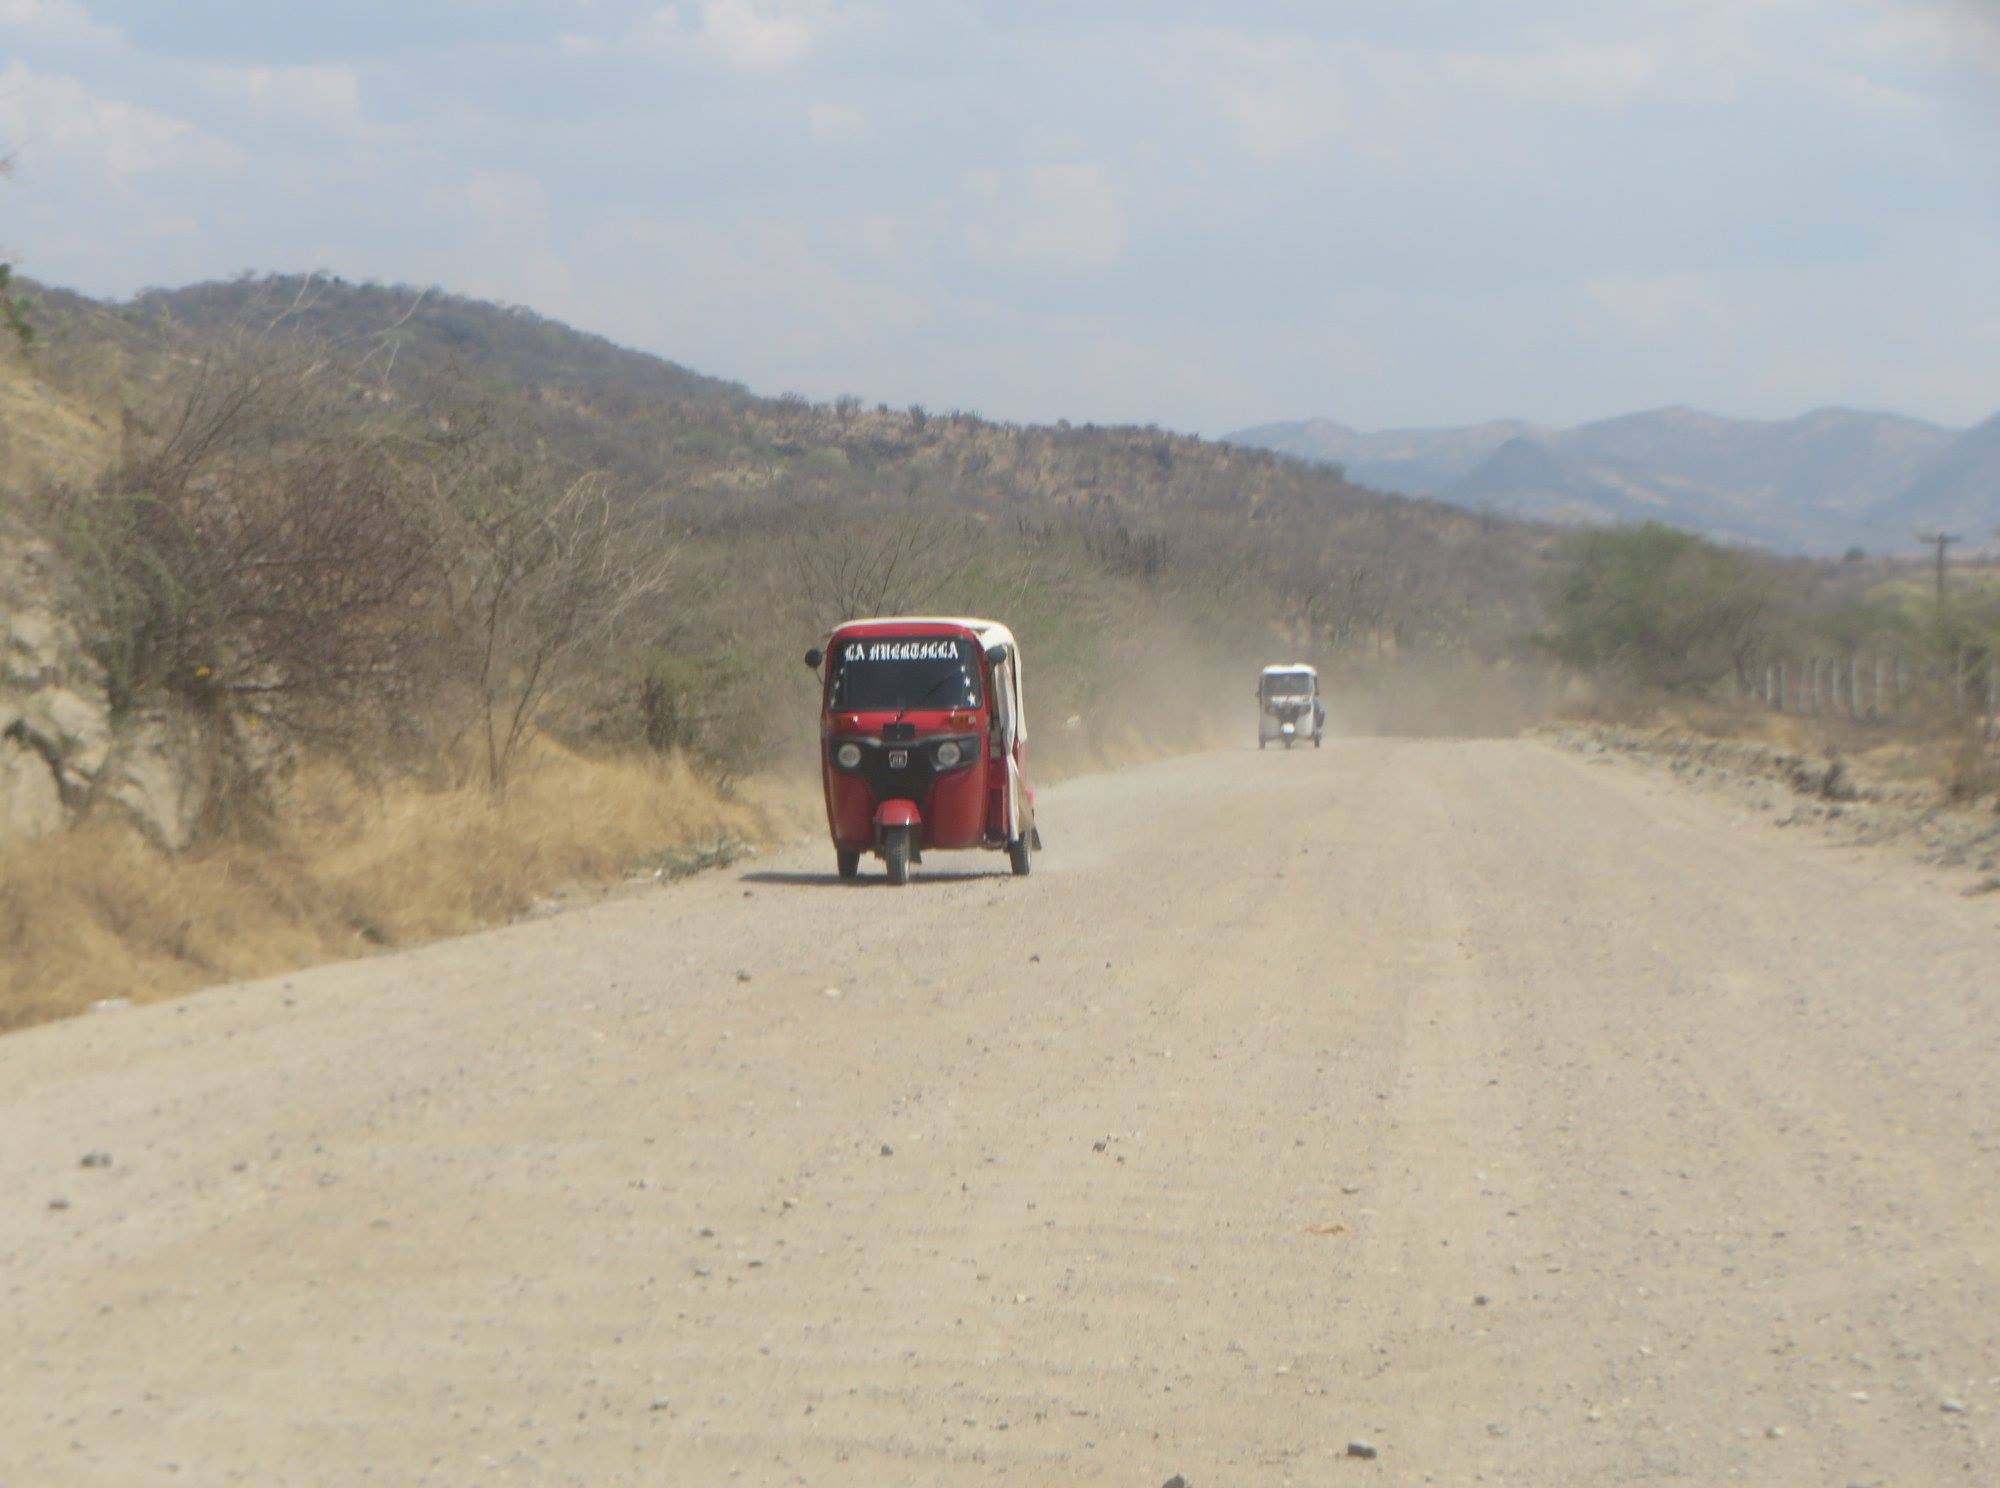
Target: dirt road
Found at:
1527, 1120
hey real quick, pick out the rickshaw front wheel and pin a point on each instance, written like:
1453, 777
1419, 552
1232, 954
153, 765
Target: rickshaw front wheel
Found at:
1017, 856
849, 861
896, 854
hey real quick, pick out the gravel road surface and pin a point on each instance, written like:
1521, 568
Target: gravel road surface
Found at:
1527, 1120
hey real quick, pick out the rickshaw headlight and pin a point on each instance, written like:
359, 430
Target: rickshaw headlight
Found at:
847, 756
949, 754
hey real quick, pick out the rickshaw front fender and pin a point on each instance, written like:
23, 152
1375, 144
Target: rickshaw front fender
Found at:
892, 814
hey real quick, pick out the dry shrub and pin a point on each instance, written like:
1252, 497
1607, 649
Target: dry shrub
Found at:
259, 549
97, 913
1955, 766
403, 865
1971, 769
1926, 750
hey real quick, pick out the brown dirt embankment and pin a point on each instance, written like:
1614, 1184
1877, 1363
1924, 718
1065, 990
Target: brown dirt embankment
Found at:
1895, 794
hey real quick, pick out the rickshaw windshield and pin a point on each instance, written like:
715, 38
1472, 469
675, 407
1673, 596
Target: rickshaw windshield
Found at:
897, 674
1288, 684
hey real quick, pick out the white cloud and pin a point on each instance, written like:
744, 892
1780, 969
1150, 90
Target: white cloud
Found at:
327, 91
1404, 107
1674, 303
1565, 74
1554, 206
61, 22
64, 129
1421, 104
833, 122
507, 198
521, 261
748, 35
1952, 32
1278, 117
880, 234
1980, 21
1063, 216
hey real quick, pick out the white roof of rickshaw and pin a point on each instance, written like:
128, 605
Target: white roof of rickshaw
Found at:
990, 632
1296, 666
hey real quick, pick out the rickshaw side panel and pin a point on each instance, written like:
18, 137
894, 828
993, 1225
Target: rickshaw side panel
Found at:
850, 807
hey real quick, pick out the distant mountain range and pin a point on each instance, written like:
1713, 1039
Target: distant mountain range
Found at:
1821, 483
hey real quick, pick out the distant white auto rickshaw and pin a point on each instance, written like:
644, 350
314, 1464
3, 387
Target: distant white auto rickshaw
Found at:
1289, 707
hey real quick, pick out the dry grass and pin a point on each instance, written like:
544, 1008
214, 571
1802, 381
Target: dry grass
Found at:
1916, 751
44, 435
97, 913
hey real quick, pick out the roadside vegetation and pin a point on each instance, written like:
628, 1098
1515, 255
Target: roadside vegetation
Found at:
350, 865
1889, 658
424, 609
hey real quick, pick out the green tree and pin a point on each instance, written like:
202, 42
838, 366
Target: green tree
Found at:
1659, 606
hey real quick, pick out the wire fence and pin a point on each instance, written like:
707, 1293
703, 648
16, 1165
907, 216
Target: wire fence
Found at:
1872, 687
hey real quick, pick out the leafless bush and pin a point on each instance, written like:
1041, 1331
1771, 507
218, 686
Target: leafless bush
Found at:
710, 706
545, 574
897, 565
1117, 548
251, 549
1335, 603
277, 540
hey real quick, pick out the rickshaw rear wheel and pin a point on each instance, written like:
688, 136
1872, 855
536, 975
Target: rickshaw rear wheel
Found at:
848, 860
1017, 857
896, 855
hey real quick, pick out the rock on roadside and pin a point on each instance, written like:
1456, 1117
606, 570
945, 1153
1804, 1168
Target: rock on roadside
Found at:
63, 751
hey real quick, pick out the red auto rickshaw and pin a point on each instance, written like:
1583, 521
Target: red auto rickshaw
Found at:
923, 742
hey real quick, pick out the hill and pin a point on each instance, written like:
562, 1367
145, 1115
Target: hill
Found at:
1182, 516
429, 330
1422, 462
1526, 477
1957, 490
1820, 483
407, 610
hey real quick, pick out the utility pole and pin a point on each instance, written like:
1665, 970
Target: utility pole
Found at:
1940, 541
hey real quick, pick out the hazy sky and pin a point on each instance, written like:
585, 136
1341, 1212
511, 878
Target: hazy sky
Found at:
1201, 214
